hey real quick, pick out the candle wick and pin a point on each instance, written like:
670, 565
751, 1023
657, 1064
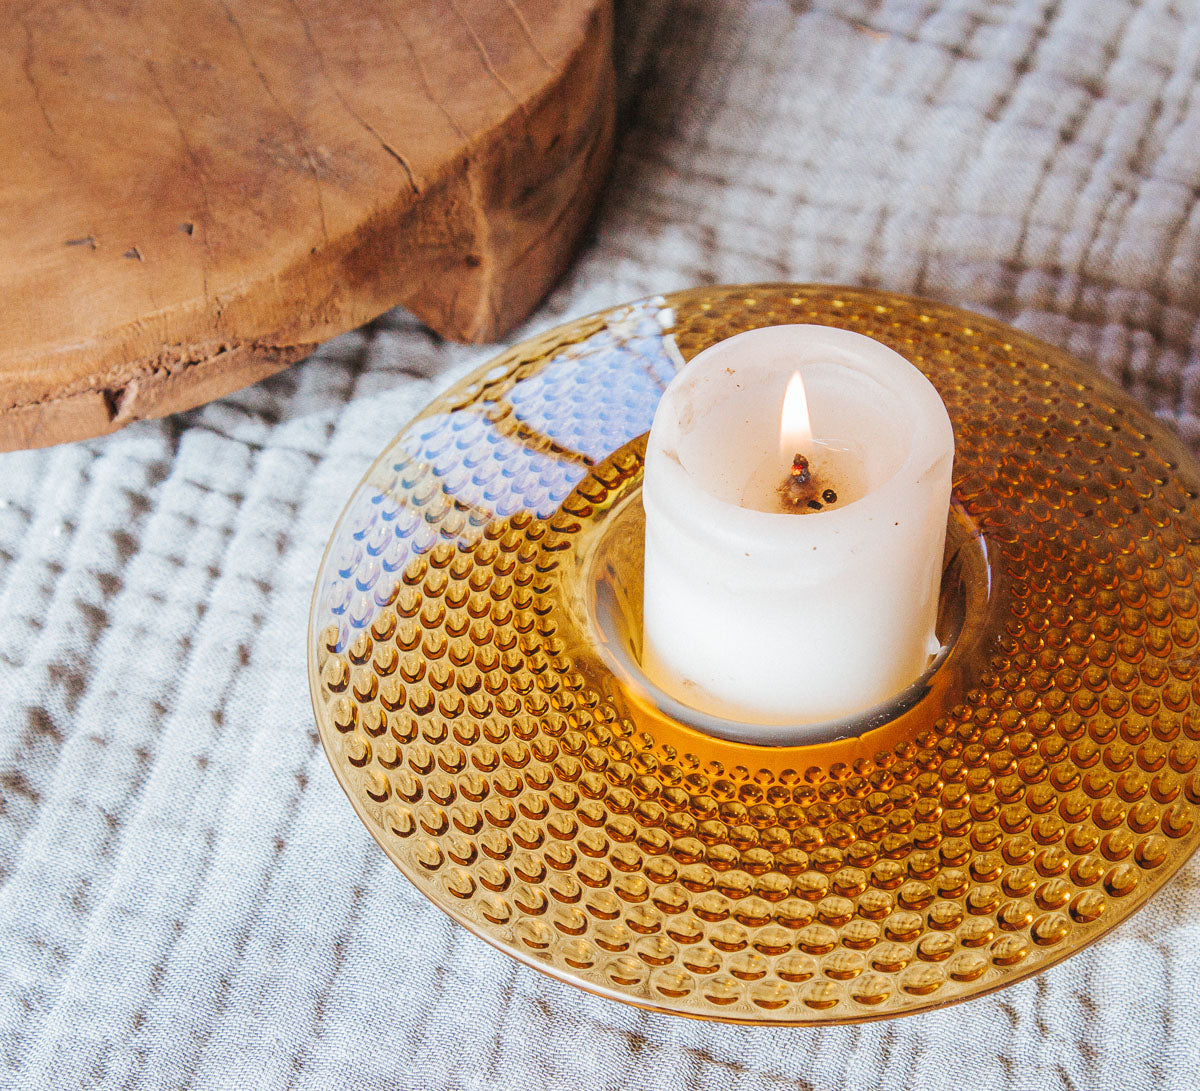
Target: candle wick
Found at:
800, 492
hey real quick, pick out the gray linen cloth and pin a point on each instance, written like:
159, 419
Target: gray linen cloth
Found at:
186, 898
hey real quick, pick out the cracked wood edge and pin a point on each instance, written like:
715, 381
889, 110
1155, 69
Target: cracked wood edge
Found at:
470, 254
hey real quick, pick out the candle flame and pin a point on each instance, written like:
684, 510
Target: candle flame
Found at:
795, 431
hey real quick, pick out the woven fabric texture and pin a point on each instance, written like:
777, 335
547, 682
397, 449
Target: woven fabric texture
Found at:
186, 898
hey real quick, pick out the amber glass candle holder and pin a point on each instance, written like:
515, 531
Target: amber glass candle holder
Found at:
473, 659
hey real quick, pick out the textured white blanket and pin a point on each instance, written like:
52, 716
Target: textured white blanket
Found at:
186, 898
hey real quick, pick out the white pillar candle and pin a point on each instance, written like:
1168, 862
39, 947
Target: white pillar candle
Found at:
761, 615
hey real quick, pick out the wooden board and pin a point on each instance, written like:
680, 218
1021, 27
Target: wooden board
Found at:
195, 193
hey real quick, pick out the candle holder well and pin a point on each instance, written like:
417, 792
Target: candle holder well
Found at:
473, 664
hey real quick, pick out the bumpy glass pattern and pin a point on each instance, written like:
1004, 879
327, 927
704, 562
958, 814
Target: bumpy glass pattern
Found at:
1044, 788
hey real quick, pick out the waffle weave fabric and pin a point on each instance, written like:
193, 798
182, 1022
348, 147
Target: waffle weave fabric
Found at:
186, 898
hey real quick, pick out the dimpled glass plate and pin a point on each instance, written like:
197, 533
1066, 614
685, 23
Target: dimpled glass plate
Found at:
1031, 794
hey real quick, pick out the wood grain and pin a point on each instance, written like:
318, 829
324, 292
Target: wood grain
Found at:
195, 194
